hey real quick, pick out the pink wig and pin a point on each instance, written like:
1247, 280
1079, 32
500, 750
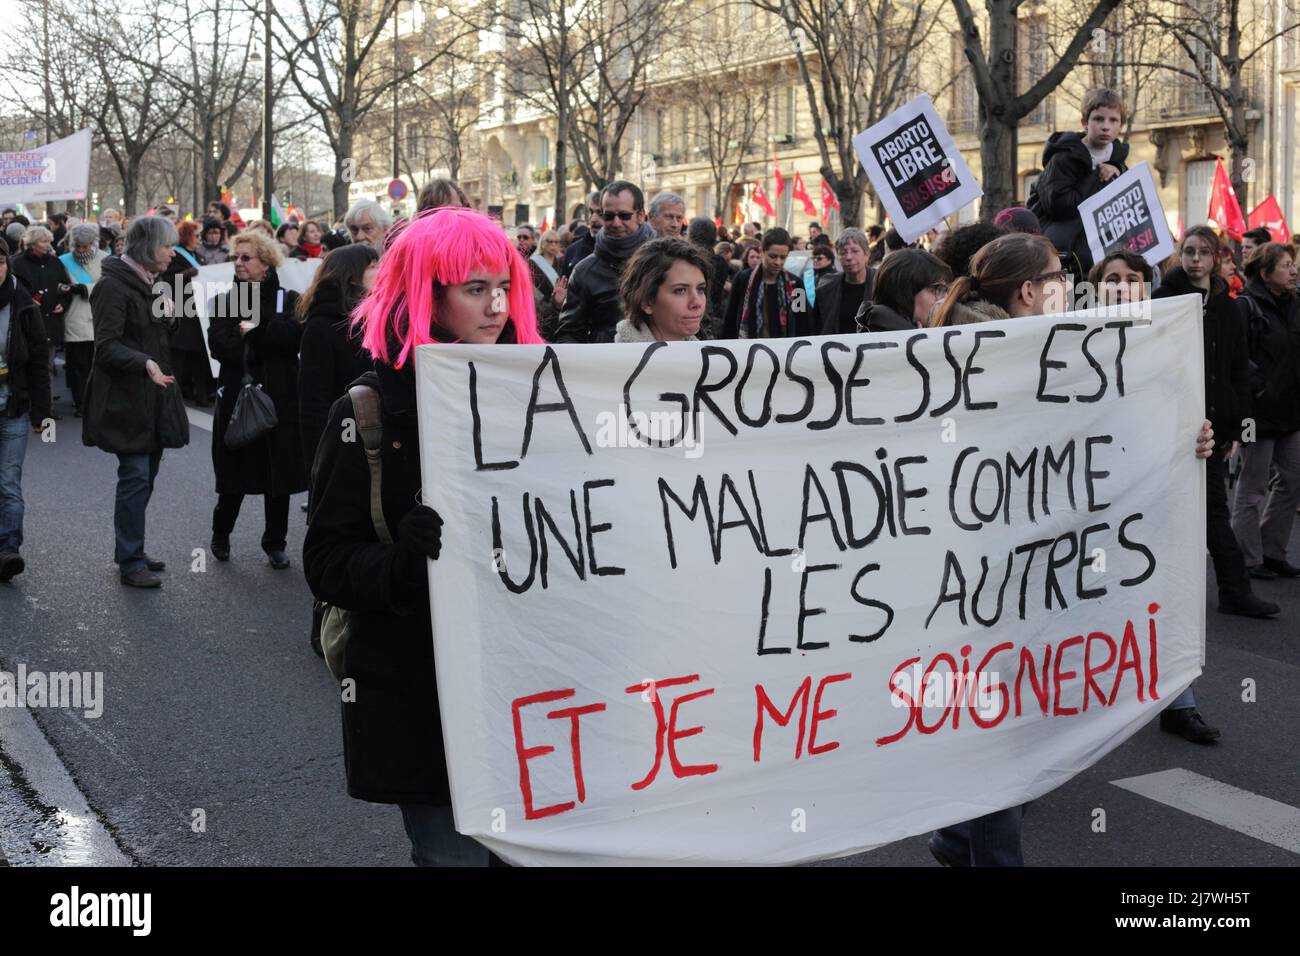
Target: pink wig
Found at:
442, 246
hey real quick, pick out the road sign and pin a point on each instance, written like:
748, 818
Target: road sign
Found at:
397, 190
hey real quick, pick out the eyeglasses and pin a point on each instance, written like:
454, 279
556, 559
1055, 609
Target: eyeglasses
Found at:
1060, 275
940, 289
611, 216
245, 258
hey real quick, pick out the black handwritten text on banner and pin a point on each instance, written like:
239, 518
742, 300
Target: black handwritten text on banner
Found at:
782, 600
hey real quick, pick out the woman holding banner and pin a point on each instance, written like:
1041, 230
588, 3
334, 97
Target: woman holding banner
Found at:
458, 269
1014, 276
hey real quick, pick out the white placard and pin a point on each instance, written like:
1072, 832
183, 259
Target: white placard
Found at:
58, 170
916, 168
214, 281
1127, 214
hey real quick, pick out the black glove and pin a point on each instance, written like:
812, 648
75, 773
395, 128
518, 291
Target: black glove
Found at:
419, 536
81, 290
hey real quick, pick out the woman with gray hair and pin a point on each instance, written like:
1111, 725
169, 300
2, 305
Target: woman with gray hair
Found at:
82, 262
133, 405
40, 271
841, 294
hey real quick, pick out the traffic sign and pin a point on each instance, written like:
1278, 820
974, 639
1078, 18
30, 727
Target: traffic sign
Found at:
397, 190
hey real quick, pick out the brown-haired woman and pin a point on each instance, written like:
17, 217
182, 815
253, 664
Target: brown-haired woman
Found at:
909, 284
1016, 275
1264, 510
1120, 278
1227, 403
665, 292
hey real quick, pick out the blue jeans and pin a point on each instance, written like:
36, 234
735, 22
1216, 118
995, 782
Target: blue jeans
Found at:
990, 840
1185, 700
13, 449
434, 840
135, 477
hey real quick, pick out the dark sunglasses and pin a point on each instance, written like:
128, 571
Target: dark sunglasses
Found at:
245, 258
611, 216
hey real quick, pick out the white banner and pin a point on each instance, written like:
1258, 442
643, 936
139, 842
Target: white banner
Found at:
215, 281
58, 170
871, 585
917, 169
1127, 215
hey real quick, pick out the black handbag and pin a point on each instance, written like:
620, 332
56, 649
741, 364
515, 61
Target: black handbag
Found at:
254, 414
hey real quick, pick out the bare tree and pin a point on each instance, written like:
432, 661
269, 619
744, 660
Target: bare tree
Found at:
858, 61
344, 61
1217, 48
446, 108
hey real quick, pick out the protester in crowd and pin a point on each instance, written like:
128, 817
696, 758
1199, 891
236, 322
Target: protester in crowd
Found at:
213, 249
40, 271
1228, 403
264, 346
583, 246
1251, 240
543, 265
703, 232
525, 240
955, 248
309, 242
822, 258
592, 307
24, 404
1228, 270
1123, 277
876, 236
367, 221
893, 242
815, 232
58, 230
331, 353
287, 236
456, 271
110, 217
133, 405
106, 236
668, 214
665, 290
189, 352
440, 192
751, 256
762, 301
1018, 219
840, 295
14, 236
1263, 509
1075, 166
83, 263
119, 243
262, 226
7, 216
906, 288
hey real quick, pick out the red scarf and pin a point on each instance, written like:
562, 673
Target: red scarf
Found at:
313, 252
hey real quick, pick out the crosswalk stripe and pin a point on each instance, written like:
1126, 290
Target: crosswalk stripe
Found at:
1249, 813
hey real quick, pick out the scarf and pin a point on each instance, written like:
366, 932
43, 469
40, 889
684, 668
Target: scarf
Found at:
751, 320
76, 267
544, 264
189, 257
313, 252
623, 246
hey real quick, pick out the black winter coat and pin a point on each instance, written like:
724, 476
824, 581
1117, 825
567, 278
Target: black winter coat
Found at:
331, 360
125, 412
272, 465
578, 250
28, 358
1067, 179
189, 334
592, 305
1273, 339
392, 730
1227, 368
42, 276
874, 317
830, 289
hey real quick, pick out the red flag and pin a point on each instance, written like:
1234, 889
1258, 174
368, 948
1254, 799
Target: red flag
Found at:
761, 201
828, 197
801, 194
1224, 208
739, 216
718, 221
776, 174
228, 198
545, 225
1269, 215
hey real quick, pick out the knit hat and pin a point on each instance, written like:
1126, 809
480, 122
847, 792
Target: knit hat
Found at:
1018, 219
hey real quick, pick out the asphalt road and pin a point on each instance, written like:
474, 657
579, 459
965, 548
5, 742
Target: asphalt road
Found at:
214, 701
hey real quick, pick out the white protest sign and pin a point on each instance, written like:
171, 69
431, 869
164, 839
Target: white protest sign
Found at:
916, 168
871, 585
1127, 214
213, 282
58, 170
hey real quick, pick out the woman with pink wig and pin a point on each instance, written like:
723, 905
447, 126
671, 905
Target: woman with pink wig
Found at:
450, 276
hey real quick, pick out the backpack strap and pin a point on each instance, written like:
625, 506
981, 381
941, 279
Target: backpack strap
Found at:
370, 423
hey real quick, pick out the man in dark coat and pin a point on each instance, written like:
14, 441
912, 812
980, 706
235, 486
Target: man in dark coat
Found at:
584, 243
592, 305
255, 333
133, 405
24, 404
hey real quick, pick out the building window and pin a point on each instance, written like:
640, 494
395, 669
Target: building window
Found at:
1200, 180
964, 112
1034, 40
784, 124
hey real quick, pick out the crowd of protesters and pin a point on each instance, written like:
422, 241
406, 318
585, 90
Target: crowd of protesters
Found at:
625, 270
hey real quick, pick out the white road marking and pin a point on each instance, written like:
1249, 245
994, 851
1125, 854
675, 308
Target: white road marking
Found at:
1249, 813
199, 419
